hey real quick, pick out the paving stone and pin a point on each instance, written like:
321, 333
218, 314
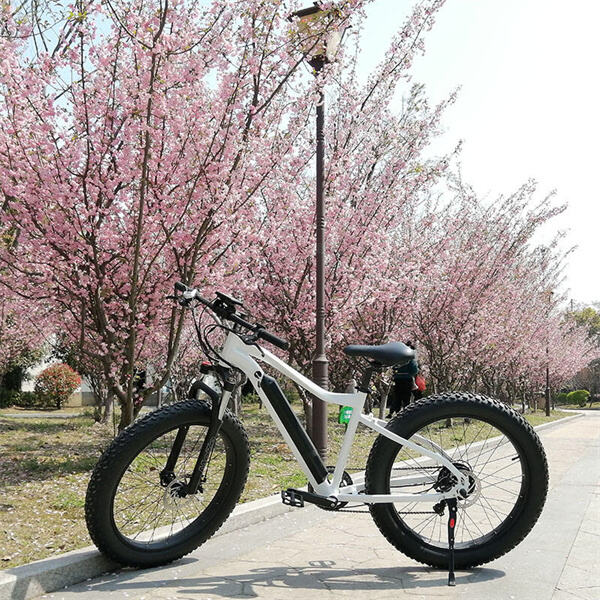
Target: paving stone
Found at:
313, 554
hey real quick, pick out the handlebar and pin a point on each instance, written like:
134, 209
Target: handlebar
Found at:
272, 339
224, 307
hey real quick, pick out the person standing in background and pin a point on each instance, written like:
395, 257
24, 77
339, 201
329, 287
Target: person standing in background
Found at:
404, 383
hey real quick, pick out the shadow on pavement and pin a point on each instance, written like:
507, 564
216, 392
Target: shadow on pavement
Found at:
314, 577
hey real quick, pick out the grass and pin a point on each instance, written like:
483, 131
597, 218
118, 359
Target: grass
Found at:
539, 417
45, 465
588, 406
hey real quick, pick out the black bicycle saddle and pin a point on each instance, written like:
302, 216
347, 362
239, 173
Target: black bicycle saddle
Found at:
393, 353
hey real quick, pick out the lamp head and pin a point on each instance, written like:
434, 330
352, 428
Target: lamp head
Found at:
315, 23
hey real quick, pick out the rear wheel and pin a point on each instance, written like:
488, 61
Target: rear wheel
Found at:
506, 468
139, 517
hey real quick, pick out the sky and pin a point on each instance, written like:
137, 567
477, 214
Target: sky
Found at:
528, 107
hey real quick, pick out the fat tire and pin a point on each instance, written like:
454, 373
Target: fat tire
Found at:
128, 444
443, 406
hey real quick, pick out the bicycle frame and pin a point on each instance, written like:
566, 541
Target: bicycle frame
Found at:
245, 356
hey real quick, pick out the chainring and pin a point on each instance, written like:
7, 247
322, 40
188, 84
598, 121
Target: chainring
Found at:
346, 480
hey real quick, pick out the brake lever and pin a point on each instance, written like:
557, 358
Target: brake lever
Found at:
183, 301
252, 340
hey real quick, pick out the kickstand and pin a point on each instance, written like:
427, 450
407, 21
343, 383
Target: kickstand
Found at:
452, 512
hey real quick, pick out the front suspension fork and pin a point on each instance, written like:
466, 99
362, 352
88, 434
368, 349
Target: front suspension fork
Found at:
198, 474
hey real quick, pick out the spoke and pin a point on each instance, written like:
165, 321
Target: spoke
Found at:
433, 527
191, 450
152, 507
137, 504
129, 488
495, 485
495, 499
486, 515
464, 520
159, 464
419, 466
168, 445
483, 442
154, 525
474, 523
139, 476
513, 460
515, 478
149, 519
500, 443
427, 521
499, 517
423, 522
179, 510
483, 425
510, 464
407, 507
199, 501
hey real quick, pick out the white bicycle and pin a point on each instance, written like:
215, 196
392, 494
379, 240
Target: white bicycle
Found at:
454, 480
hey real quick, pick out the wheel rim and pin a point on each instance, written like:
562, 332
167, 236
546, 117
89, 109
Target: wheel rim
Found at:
497, 477
152, 515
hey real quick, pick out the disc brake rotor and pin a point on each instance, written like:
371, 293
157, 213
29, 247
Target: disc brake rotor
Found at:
174, 499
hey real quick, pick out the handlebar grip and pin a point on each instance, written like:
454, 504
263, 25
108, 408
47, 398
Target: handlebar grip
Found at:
188, 295
273, 339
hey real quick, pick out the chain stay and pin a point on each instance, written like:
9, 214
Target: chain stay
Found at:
400, 512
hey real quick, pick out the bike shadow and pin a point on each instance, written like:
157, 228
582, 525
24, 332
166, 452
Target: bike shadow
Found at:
302, 580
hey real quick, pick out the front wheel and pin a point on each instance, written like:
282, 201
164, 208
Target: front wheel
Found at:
506, 467
140, 517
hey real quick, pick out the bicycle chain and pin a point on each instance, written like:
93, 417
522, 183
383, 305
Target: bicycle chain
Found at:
415, 468
405, 512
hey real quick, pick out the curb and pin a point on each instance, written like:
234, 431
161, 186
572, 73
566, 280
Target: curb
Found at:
41, 416
558, 422
51, 574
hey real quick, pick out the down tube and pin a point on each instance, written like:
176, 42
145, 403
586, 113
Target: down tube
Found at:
294, 428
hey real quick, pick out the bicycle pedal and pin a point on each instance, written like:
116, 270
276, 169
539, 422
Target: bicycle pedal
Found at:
292, 498
301, 497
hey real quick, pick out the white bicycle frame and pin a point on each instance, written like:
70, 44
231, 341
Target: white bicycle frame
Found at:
244, 356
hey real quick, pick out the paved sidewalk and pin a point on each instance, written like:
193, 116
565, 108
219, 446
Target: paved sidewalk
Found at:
310, 553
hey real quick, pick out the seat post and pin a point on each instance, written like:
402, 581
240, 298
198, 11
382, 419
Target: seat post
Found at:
365, 382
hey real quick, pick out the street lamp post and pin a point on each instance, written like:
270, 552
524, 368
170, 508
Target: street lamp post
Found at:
547, 389
313, 22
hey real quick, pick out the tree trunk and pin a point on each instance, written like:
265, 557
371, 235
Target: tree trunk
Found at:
107, 407
385, 392
125, 417
307, 406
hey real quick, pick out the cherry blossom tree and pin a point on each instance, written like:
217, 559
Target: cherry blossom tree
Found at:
483, 312
23, 331
131, 155
145, 143
375, 171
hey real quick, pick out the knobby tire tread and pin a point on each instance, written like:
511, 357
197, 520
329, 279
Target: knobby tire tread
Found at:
429, 406
102, 474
